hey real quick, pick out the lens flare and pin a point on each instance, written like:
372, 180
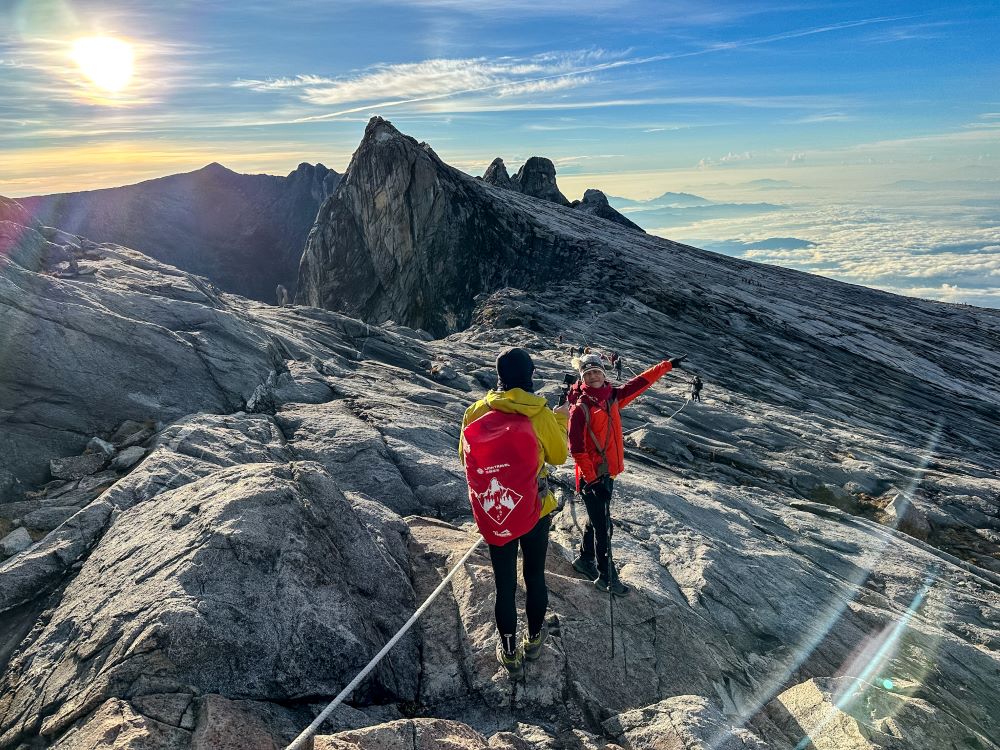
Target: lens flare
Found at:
106, 61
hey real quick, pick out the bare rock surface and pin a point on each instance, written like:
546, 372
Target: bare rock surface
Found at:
407, 734
118, 726
188, 582
237, 577
135, 339
851, 714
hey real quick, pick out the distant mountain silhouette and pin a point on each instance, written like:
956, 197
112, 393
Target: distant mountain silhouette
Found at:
667, 199
244, 232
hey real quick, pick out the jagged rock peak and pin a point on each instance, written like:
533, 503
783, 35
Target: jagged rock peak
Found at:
381, 130
496, 174
537, 177
409, 238
596, 203
595, 197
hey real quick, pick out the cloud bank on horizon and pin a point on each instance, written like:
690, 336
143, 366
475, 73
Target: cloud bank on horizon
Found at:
835, 112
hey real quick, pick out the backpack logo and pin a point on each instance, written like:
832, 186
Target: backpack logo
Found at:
497, 502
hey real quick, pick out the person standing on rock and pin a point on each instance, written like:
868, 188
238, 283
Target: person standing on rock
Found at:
696, 386
597, 445
507, 439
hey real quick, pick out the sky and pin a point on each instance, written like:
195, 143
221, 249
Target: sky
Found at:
859, 140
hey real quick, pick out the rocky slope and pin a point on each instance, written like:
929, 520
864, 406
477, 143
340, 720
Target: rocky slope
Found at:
813, 550
244, 232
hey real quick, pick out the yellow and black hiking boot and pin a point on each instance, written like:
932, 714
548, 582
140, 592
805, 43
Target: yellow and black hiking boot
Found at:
533, 646
513, 663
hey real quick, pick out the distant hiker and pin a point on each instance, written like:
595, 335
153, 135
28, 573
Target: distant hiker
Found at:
616, 361
507, 438
282, 294
596, 442
559, 340
696, 386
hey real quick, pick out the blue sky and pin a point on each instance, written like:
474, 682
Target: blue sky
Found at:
887, 107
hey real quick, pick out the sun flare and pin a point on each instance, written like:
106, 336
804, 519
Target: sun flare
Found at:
106, 61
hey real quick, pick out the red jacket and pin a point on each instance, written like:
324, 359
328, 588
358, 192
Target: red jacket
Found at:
603, 405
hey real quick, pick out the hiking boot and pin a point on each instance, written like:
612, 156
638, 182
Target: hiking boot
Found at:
587, 566
533, 646
513, 663
616, 587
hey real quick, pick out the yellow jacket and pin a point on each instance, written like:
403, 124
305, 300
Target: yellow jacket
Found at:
550, 429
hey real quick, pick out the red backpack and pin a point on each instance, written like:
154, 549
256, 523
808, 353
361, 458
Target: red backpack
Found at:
501, 465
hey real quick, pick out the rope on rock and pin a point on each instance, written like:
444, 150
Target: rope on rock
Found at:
650, 424
299, 743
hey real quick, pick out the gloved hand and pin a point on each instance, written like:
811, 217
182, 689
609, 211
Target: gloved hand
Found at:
597, 484
675, 362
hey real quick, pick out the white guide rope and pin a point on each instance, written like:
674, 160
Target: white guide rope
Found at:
650, 424
299, 742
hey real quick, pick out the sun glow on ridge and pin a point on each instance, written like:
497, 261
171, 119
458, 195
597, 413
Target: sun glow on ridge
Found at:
106, 61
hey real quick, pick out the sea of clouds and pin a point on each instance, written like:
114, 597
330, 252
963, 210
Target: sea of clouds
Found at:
908, 239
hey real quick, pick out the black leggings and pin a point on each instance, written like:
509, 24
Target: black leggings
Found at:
596, 533
534, 545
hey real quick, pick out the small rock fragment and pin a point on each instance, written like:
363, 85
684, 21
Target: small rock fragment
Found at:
77, 467
16, 541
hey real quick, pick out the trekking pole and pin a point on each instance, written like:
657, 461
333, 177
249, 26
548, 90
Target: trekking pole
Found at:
612, 578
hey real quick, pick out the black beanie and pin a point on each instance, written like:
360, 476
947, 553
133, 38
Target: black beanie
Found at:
514, 369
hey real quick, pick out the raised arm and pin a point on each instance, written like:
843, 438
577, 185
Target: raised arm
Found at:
630, 390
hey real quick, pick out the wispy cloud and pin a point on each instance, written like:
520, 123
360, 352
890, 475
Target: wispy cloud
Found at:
433, 79
822, 117
908, 32
384, 86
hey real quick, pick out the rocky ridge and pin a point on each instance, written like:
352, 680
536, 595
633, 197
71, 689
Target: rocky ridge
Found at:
537, 178
408, 238
244, 232
218, 592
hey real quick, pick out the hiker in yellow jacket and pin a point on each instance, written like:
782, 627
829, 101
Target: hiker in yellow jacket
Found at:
515, 394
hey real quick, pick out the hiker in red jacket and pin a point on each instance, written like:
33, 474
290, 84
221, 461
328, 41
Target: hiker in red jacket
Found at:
596, 442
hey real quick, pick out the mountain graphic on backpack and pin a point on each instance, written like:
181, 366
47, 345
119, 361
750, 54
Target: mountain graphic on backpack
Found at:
498, 501
500, 450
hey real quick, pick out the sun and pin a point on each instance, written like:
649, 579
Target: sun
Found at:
106, 61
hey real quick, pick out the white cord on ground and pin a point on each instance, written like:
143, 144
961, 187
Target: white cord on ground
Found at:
650, 424
299, 742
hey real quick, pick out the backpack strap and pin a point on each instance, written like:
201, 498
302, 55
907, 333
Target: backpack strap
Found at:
603, 469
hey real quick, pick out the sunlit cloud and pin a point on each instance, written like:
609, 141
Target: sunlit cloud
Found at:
432, 79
